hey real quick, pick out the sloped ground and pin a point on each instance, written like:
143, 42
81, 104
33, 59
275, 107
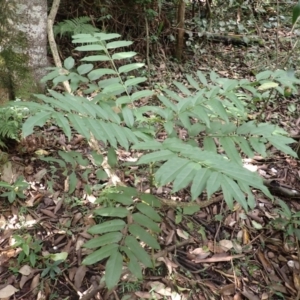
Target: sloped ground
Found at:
213, 254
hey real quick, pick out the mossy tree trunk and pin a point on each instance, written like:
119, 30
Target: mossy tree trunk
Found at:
23, 48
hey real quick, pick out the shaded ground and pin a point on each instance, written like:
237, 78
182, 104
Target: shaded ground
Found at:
213, 254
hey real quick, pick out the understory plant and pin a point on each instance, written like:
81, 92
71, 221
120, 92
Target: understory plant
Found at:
11, 120
211, 110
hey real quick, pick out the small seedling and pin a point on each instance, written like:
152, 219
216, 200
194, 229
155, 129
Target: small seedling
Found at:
15, 190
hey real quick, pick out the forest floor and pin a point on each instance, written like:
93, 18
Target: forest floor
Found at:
213, 254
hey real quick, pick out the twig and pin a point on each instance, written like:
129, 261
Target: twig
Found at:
52, 42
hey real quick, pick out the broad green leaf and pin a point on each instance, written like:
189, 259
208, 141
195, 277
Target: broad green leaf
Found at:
128, 116
138, 251
133, 264
5, 185
84, 38
267, 86
169, 127
108, 226
201, 114
85, 68
96, 74
39, 119
263, 129
151, 200
155, 156
145, 221
245, 128
120, 198
112, 158
72, 182
95, 47
230, 149
169, 170
101, 174
123, 100
209, 144
250, 197
263, 75
196, 129
60, 78
184, 177
182, 88
141, 94
236, 101
296, 13
167, 102
79, 125
112, 115
227, 194
244, 145
106, 36
148, 211
63, 123
213, 183
119, 212
100, 254
226, 129
258, 146
114, 89
134, 81
199, 182
143, 235
96, 58
202, 78
56, 101
130, 67
190, 210
123, 55
61, 256
280, 143
185, 119
51, 75
192, 82
213, 76
106, 83
105, 239
235, 191
135, 269
218, 108
69, 63
96, 129
118, 44
130, 134
120, 135
113, 269
108, 134
128, 191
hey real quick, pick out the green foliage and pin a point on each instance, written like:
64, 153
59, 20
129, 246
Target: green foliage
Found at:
213, 112
14, 190
74, 26
287, 220
118, 238
11, 120
30, 249
72, 165
52, 269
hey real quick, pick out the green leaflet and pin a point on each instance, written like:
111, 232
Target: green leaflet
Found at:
113, 269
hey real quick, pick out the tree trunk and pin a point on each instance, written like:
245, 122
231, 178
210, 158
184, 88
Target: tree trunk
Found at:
32, 16
23, 51
180, 25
